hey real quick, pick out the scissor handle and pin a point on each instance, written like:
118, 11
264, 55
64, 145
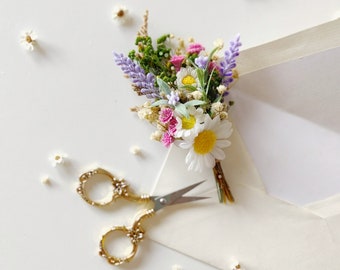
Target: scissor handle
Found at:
135, 233
119, 186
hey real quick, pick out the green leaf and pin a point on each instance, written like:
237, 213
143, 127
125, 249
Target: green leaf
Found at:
194, 102
200, 75
162, 39
189, 87
181, 109
208, 85
209, 59
218, 99
159, 102
163, 86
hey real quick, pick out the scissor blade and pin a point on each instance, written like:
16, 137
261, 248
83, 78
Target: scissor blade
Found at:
175, 197
178, 194
189, 199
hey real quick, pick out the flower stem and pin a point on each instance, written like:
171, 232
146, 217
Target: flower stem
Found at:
223, 189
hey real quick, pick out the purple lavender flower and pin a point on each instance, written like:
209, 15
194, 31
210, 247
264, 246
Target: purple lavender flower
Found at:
201, 61
229, 62
146, 83
173, 98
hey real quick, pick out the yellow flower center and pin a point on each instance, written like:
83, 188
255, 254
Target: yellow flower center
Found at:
188, 80
188, 123
204, 142
29, 39
120, 13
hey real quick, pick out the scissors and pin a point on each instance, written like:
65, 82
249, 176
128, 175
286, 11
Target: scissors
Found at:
135, 233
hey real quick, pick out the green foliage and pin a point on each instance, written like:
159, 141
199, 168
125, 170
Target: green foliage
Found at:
154, 60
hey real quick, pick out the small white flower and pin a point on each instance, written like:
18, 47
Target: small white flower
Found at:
147, 112
236, 266
58, 159
187, 77
191, 40
156, 135
217, 108
206, 144
223, 115
28, 40
197, 95
120, 14
219, 43
221, 89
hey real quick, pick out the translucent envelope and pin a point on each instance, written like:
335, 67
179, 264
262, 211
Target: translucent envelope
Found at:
283, 166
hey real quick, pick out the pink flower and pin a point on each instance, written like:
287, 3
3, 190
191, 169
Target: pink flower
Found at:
166, 115
213, 66
195, 48
167, 139
177, 61
172, 126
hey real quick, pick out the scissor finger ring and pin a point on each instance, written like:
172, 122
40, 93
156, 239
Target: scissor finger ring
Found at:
135, 233
120, 188
111, 258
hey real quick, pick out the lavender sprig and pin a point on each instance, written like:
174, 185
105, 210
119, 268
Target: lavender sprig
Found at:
229, 62
146, 83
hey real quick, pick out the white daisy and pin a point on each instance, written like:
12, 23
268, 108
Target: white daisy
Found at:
185, 126
236, 266
205, 145
120, 14
187, 77
58, 159
28, 40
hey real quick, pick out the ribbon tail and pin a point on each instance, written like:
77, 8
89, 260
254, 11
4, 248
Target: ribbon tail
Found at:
223, 189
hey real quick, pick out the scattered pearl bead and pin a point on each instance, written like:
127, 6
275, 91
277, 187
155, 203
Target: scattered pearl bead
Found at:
176, 267
45, 180
135, 150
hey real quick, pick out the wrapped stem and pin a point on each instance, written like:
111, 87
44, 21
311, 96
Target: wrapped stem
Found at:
223, 189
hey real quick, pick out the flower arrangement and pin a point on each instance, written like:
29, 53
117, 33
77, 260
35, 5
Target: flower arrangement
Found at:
186, 89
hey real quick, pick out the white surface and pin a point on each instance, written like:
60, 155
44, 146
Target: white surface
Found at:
68, 95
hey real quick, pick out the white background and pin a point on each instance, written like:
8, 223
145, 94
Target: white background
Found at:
69, 96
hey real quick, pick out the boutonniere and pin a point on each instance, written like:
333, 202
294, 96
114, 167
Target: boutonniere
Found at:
186, 89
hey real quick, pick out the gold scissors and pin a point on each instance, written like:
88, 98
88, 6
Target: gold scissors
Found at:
121, 190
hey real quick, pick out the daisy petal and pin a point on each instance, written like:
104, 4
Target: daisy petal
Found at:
223, 143
209, 161
218, 153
